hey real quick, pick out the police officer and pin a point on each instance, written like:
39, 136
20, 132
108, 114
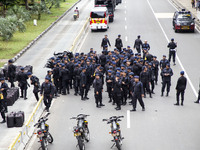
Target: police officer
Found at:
145, 48
105, 42
2, 109
155, 66
98, 89
166, 75
109, 82
102, 59
180, 88
138, 93
64, 73
117, 89
76, 72
47, 90
163, 62
83, 82
138, 44
36, 83
125, 84
145, 79
23, 84
56, 76
118, 43
172, 50
11, 72
4, 88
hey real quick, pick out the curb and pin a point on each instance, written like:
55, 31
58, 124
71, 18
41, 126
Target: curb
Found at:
179, 6
40, 36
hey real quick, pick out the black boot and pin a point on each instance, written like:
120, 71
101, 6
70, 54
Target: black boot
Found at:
162, 94
167, 94
177, 104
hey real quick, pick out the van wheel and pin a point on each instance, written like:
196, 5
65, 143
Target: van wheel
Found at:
111, 20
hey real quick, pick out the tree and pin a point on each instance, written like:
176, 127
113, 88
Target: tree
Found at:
38, 9
7, 27
19, 12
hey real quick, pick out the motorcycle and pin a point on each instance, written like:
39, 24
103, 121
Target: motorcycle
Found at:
81, 131
75, 15
43, 133
115, 131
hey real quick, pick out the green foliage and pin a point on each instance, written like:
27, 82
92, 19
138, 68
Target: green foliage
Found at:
8, 27
38, 9
19, 12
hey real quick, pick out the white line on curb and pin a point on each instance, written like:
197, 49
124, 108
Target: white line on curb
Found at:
190, 82
128, 119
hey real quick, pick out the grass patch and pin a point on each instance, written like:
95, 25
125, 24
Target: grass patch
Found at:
8, 49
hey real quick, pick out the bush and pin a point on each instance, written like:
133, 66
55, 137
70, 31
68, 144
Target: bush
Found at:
7, 27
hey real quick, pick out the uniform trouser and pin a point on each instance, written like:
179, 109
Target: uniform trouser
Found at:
65, 84
178, 94
198, 99
47, 100
70, 82
109, 90
23, 88
156, 76
98, 98
56, 83
119, 48
164, 83
60, 85
36, 95
76, 85
146, 87
2, 110
139, 98
152, 85
4, 104
36, 91
84, 91
138, 50
117, 99
11, 80
124, 94
172, 54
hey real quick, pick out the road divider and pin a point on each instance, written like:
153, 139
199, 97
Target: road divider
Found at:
80, 36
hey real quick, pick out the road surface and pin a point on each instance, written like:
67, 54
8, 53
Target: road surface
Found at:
162, 126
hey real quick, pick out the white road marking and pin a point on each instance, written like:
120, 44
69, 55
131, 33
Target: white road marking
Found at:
178, 10
125, 11
125, 18
125, 2
164, 15
125, 6
128, 119
125, 27
126, 38
83, 40
190, 82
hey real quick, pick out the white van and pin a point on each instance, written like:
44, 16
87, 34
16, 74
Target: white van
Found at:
99, 18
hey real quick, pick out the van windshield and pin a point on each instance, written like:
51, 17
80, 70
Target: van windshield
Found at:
98, 15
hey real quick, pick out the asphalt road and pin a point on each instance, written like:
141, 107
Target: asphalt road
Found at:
58, 39
162, 126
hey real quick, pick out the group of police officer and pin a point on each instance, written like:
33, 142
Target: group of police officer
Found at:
125, 74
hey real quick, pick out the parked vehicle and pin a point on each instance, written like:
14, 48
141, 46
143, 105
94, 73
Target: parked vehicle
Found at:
183, 20
43, 133
99, 18
81, 131
115, 131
